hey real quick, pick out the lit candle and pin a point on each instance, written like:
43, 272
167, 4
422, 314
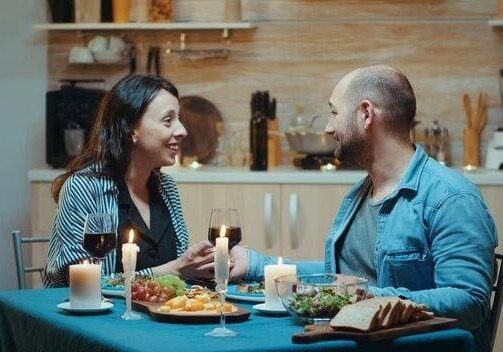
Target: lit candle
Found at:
195, 165
271, 272
328, 167
129, 253
469, 168
85, 285
222, 258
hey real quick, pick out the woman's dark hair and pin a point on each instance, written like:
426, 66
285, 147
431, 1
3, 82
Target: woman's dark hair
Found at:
110, 143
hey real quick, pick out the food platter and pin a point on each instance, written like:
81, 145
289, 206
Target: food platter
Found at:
237, 314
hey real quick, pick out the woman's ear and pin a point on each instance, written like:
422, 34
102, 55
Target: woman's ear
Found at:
368, 113
134, 138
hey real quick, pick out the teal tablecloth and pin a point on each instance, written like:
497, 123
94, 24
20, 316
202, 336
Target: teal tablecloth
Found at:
30, 321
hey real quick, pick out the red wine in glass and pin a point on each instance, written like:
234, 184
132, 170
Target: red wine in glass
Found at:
224, 217
232, 232
99, 244
99, 235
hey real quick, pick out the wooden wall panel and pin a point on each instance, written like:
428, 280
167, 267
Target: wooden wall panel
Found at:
302, 47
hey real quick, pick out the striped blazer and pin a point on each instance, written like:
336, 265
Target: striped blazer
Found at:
84, 193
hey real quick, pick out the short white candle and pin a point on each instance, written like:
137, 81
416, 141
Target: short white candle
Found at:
271, 272
222, 258
85, 285
129, 253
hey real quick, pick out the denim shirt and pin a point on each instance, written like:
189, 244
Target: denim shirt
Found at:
434, 245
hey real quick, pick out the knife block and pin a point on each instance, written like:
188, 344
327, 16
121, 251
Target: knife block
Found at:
471, 147
274, 154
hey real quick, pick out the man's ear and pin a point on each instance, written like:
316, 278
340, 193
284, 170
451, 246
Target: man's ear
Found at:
367, 111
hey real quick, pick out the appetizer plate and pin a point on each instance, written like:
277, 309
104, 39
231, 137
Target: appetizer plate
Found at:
232, 293
237, 315
265, 310
104, 307
113, 292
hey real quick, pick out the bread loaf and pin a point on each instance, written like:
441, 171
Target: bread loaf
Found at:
378, 313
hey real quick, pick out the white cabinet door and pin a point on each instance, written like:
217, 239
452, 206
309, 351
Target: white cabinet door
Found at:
258, 206
307, 216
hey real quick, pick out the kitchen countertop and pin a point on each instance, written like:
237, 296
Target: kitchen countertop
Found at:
282, 175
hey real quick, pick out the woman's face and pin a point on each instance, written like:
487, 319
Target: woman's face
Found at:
159, 132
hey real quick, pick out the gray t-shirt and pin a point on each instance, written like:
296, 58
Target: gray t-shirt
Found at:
356, 249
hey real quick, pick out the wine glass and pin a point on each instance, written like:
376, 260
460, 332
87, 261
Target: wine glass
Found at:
99, 236
224, 232
229, 218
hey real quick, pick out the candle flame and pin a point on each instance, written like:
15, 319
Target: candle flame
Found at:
222, 230
131, 236
280, 261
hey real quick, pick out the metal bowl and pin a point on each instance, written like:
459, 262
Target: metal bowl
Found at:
311, 142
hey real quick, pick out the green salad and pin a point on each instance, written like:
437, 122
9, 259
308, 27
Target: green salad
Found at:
321, 302
171, 281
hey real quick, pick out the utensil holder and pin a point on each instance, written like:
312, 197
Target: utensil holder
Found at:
274, 157
471, 147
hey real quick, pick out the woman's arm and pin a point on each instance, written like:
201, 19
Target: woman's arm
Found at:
65, 246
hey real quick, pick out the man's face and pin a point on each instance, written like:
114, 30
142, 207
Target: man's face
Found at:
352, 146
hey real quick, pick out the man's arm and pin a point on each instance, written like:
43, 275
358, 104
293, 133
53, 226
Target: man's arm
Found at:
463, 238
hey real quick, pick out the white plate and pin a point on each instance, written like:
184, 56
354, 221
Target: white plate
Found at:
66, 307
275, 311
113, 292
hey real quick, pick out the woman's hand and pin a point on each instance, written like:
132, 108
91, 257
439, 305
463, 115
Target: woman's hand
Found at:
195, 263
239, 259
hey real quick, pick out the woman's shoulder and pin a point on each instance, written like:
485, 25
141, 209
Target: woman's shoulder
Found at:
90, 178
166, 181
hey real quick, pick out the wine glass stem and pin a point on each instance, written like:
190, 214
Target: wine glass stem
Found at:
222, 303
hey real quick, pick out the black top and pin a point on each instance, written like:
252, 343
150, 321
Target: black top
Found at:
157, 244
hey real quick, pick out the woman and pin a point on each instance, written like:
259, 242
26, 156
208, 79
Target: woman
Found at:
137, 131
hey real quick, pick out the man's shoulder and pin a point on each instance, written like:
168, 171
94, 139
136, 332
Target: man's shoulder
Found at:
439, 182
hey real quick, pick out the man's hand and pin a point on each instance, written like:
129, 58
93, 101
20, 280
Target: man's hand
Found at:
239, 259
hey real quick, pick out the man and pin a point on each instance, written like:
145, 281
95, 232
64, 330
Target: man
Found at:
413, 227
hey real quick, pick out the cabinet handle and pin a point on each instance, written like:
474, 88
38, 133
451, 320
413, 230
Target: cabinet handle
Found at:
268, 236
293, 209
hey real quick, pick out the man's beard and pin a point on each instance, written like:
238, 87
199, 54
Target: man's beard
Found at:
353, 149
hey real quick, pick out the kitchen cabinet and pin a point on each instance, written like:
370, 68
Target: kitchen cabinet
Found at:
282, 220
307, 213
258, 206
277, 218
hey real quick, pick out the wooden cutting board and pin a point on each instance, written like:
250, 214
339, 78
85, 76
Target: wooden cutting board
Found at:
314, 333
189, 317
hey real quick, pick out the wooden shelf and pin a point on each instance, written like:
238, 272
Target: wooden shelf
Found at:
168, 26
496, 22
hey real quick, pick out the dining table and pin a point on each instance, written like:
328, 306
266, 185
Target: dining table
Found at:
30, 321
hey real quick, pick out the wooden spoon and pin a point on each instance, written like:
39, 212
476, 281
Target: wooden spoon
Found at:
467, 103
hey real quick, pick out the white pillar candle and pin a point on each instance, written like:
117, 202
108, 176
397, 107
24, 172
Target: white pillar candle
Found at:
85, 285
222, 258
129, 253
271, 272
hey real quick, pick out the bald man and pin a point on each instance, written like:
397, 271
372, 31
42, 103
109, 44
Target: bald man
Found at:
413, 227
